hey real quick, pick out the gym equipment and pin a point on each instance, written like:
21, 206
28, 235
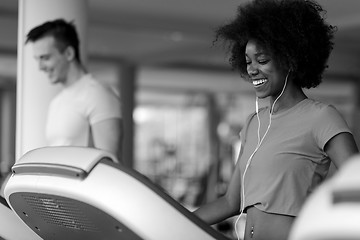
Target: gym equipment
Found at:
84, 193
332, 212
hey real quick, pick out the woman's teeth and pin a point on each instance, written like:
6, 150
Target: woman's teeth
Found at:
259, 82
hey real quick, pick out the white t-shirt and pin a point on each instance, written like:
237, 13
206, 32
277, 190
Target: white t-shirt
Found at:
75, 108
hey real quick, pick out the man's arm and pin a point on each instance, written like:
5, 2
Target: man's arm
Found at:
108, 135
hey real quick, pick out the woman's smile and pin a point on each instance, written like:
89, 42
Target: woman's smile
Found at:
259, 82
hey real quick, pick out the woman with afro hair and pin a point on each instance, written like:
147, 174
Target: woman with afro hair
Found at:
280, 47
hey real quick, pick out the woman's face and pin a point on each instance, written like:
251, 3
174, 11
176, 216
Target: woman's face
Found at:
266, 76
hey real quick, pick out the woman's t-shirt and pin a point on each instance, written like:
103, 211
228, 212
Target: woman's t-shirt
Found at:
291, 161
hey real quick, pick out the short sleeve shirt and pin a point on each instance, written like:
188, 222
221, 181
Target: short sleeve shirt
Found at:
291, 161
76, 108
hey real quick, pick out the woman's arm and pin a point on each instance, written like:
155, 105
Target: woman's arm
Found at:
340, 148
225, 206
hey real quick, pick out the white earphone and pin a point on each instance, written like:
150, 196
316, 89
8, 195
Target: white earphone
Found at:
242, 198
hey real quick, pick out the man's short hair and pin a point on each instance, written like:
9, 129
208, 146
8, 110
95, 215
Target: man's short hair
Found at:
64, 33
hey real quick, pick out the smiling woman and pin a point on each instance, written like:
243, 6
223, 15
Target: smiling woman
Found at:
265, 73
281, 47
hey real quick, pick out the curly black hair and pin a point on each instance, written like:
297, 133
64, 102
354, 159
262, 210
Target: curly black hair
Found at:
294, 32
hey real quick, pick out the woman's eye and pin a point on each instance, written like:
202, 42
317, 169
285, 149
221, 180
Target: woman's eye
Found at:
263, 61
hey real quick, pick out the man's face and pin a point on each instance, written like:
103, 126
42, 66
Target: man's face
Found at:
51, 61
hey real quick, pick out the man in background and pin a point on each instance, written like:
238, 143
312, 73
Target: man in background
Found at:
84, 112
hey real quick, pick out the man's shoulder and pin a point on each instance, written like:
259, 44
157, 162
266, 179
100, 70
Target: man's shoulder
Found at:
91, 85
95, 89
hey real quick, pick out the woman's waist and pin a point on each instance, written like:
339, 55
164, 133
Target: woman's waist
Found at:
264, 225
